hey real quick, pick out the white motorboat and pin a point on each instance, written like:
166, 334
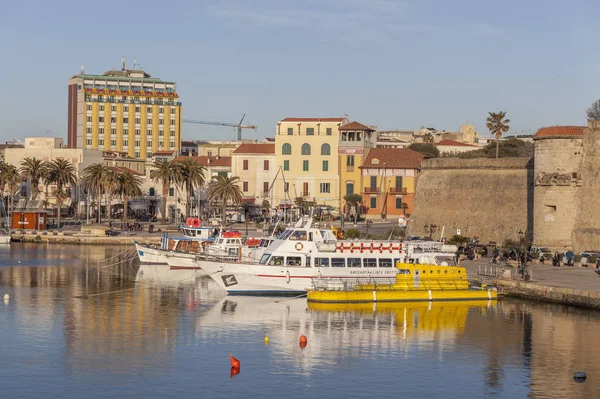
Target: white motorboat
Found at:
163, 275
303, 254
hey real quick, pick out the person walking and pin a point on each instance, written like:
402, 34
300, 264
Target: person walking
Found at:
556, 260
569, 256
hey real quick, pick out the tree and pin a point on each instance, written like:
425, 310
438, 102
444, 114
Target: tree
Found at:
10, 181
404, 207
110, 184
428, 138
166, 173
34, 170
266, 206
429, 150
593, 112
62, 173
511, 147
224, 189
94, 177
129, 185
497, 125
191, 176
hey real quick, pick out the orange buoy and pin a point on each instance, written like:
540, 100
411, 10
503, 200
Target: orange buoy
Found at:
235, 363
234, 371
302, 345
303, 339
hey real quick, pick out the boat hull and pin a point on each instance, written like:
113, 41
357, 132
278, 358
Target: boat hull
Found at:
256, 279
151, 256
400, 296
183, 261
5, 239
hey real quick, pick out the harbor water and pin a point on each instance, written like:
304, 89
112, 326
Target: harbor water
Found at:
90, 322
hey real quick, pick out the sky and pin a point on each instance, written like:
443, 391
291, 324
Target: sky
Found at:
395, 64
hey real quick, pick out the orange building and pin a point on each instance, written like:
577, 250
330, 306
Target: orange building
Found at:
388, 181
29, 220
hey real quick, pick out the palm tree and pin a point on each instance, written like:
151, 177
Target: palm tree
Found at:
94, 177
129, 185
497, 125
34, 170
62, 173
428, 138
165, 173
191, 176
110, 184
225, 189
10, 181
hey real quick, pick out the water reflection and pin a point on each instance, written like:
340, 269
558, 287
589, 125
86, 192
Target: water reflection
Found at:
154, 322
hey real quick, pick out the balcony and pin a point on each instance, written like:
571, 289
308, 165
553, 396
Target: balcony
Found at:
398, 190
371, 190
349, 168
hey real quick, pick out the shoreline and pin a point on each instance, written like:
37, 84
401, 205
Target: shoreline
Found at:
545, 293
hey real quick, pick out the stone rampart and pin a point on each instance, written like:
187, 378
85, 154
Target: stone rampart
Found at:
489, 198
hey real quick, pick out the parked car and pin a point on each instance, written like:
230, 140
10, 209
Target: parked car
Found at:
535, 249
585, 255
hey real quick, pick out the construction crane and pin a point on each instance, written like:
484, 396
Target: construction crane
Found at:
239, 126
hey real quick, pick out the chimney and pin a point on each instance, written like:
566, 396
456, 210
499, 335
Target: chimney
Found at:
208, 161
218, 157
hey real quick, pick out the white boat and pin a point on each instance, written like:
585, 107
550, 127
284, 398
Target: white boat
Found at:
4, 238
303, 255
163, 275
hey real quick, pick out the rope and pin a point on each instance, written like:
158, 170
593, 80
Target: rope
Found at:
294, 297
104, 293
112, 257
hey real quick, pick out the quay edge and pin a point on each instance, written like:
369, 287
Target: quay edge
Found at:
545, 293
85, 240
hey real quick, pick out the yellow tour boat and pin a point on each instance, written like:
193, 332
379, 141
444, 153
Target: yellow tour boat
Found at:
414, 282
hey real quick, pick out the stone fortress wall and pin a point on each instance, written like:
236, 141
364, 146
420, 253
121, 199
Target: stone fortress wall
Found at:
488, 198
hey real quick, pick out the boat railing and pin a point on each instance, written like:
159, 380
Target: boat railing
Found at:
388, 284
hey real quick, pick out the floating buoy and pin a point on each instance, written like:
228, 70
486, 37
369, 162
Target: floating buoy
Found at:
235, 363
234, 371
266, 340
6, 297
579, 376
19, 262
302, 345
303, 339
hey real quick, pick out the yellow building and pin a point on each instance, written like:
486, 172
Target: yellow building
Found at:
388, 181
306, 150
123, 110
354, 145
256, 166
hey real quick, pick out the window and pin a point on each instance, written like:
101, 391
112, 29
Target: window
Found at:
136, 154
137, 132
349, 188
113, 142
354, 262
245, 186
161, 144
125, 107
325, 149
101, 106
373, 204
305, 192
100, 119
113, 120
171, 145
344, 136
137, 120
172, 122
398, 202
89, 118
137, 109
125, 132
171, 192
305, 166
113, 108
350, 136
310, 131
88, 142
325, 188
88, 130
161, 110
151, 192
286, 165
149, 121
385, 262
321, 262
293, 261
350, 160
161, 121
125, 120
265, 188
399, 181
101, 130
89, 107
325, 166
290, 131
373, 182
100, 142
149, 110
173, 110
137, 143
149, 132
172, 133
113, 131
266, 164
161, 133
338, 262
370, 262
245, 164
286, 149
328, 131
305, 149
209, 153
149, 144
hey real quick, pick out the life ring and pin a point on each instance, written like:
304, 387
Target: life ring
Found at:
299, 246
195, 223
287, 277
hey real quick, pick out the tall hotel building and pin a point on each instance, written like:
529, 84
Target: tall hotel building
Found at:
126, 111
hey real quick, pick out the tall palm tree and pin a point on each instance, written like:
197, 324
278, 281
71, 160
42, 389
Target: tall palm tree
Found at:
110, 183
62, 173
226, 189
165, 173
10, 181
129, 185
497, 125
93, 179
35, 170
191, 176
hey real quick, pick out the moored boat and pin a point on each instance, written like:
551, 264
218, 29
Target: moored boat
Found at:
414, 282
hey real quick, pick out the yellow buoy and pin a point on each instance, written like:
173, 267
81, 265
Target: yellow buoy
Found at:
266, 340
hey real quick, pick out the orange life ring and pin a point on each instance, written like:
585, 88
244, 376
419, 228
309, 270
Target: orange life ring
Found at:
195, 223
299, 246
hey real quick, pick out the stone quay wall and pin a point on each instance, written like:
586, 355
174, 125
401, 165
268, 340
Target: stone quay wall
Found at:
489, 198
564, 296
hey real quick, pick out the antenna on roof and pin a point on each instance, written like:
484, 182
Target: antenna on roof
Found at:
82, 70
134, 63
122, 63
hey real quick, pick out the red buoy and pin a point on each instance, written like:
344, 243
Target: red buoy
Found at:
234, 371
303, 339
302, 345
235, 363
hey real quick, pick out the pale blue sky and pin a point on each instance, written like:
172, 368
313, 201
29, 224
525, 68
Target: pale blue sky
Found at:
391, 63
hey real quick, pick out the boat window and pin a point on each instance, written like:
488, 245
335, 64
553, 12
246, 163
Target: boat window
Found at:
385, 262
276, 261
321, 262
310, 237
285, 234
264, 258
220, 241
396, 261
354, 262
338, 262
445, 260
405, 271
370, 262
293, 261
298, 235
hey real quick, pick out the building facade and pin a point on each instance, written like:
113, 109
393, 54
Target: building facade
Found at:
306, 150
389, 177
452, 147
123, 110
355, 141
256, 167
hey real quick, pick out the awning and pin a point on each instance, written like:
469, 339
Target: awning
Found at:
248, 200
